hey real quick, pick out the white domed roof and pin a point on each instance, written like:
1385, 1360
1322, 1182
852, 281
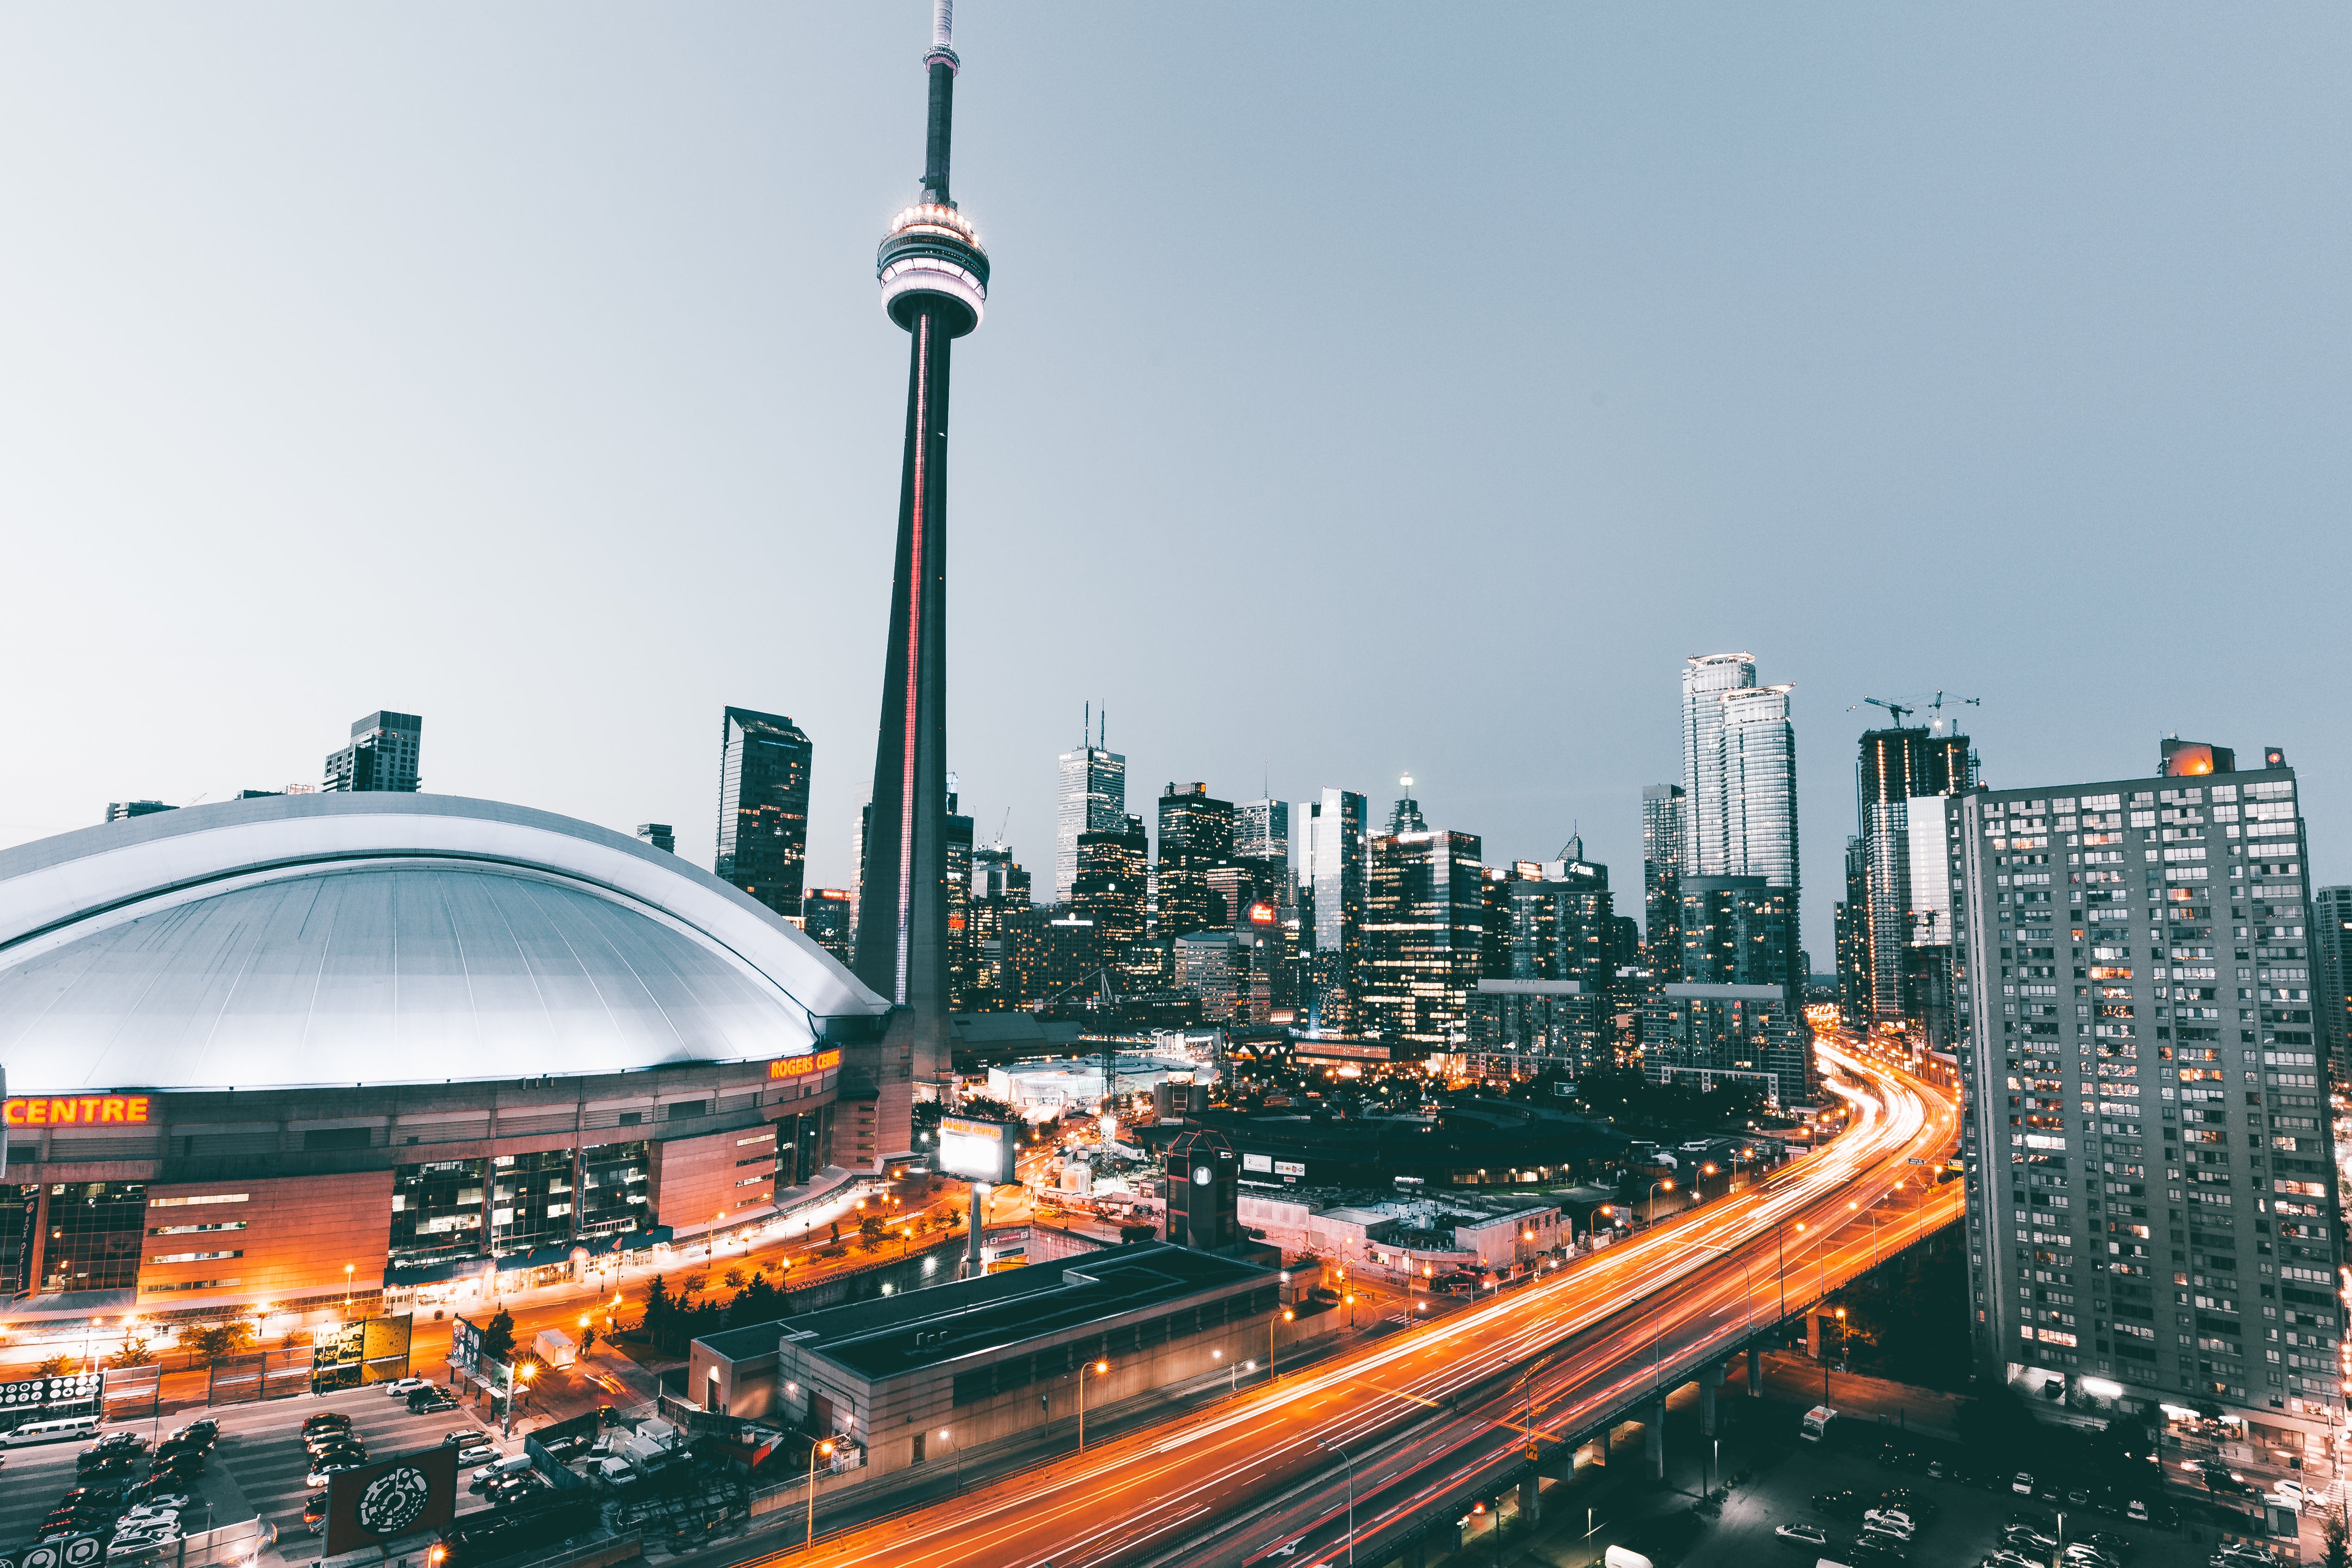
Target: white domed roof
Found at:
359, 939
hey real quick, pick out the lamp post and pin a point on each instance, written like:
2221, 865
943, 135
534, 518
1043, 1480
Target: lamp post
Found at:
347, 1292
1101, 1368
1825, 1359
1273, 1368
947, 1435
1330, 1449
826, 1449
516, 1384
1666, 1182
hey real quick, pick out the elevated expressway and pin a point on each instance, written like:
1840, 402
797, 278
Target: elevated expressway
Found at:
1435, 1416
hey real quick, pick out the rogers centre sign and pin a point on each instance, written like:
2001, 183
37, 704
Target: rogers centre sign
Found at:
49, 1111
796, 1066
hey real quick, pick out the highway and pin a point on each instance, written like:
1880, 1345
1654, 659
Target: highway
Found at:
1431, 1415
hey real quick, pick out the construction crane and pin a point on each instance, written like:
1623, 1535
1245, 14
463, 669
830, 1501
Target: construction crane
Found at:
1897, 709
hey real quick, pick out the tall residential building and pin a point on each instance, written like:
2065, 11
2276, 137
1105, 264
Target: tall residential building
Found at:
380, 755
1551, 921
1736, 932
1331, 904
1907, 779
1092, 798
1196, 836
1851, 918
1665, 824
1739, 770
1705, 678
661, 835
2331, 941
1425, 927
959, 892
2151, 1186
764, 799
934, 277
123, 811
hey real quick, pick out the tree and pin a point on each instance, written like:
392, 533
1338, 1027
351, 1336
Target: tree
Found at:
692, 1285
135, 1352
498, 1339
54, 1366
734, 1278
587, 1340
2337, 1536
215, 1340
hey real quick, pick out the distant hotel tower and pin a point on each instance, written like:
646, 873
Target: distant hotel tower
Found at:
934, 278
382, 754
763, 806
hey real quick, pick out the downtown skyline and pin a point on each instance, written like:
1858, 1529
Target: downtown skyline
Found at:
1658, 448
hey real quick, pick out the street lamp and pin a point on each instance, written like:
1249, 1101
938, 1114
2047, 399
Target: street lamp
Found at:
1273, 1367
825, 1449
1825, 1359
1666, 1182
1330, 1449
1101, 1369
515, 1388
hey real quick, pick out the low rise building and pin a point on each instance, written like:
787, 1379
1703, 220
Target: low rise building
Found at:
910, 1378
1414, 1234
1715, 1034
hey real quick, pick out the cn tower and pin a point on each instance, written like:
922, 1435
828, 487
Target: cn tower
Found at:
934, 277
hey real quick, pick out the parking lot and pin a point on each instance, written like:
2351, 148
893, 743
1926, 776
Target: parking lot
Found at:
258, 1467
1966, 1528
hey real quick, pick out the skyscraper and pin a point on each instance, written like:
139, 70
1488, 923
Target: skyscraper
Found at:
1665, 821
1262, 830
1196, 836
1852, 917
1910, 839
958, 874
1705, 677
1736, 933
1424, 925
380, 754
1092, 798
1109, 886
1331, 897
661, 835
2331, 943
2151, 1192
1740, 771
825, 916
763, 796
934, 277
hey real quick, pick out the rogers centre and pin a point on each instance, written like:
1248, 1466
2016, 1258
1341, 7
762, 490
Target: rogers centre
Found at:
277, 1050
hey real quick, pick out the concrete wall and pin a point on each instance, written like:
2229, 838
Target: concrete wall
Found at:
694, 1179
298, 1233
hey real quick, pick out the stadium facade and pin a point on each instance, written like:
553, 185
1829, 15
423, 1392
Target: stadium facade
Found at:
282, 1050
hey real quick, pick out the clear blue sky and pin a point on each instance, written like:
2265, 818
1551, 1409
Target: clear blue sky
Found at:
1363, 390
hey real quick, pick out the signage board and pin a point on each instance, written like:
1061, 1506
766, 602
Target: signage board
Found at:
800, 1066
1289, 1168
1257, 1163
465, 1345
40, 1393
378, 1503
48, 1111
978, 1150
72, 1551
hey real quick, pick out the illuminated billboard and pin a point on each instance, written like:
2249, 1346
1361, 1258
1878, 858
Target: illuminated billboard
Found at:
800, 1066
978, 1150
44, 1112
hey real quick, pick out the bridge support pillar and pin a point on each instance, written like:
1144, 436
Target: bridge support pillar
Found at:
1706, 1376
1812, 1333
1530, 1499
1755, 1372
1654, 1438
1417, 1554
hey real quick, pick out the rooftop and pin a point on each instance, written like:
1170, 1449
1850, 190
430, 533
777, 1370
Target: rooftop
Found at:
968, 1319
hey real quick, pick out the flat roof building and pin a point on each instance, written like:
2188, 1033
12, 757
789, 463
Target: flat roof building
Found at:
984, 1359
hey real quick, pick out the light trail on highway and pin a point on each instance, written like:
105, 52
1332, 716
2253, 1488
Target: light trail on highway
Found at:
1431, 1413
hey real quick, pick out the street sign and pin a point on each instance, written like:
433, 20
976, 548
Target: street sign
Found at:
376, 1504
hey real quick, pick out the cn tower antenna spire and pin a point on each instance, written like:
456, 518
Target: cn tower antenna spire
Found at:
934, 276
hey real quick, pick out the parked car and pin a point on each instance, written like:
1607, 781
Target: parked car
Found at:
497, 1468
2004, 1558
2025, 1538
476, 1453
1919, 1507
2021, 1483
430, 1402
1879, 1551
2116, 1546
314, 1512
1840, 1504
1890, 1521
608, 1415
2083, 1554
321, 1470
512, 1488
1804, 1534
324, 1420
401, 1388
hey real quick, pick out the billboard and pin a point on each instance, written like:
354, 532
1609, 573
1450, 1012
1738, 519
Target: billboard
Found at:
800, 1066
977, 1150
465, 1345
67, 1551
377, 1503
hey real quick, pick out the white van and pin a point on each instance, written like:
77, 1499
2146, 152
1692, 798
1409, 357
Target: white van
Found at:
67, 1429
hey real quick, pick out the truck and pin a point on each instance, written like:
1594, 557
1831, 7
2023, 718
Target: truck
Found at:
555, 1347
1818, 1421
